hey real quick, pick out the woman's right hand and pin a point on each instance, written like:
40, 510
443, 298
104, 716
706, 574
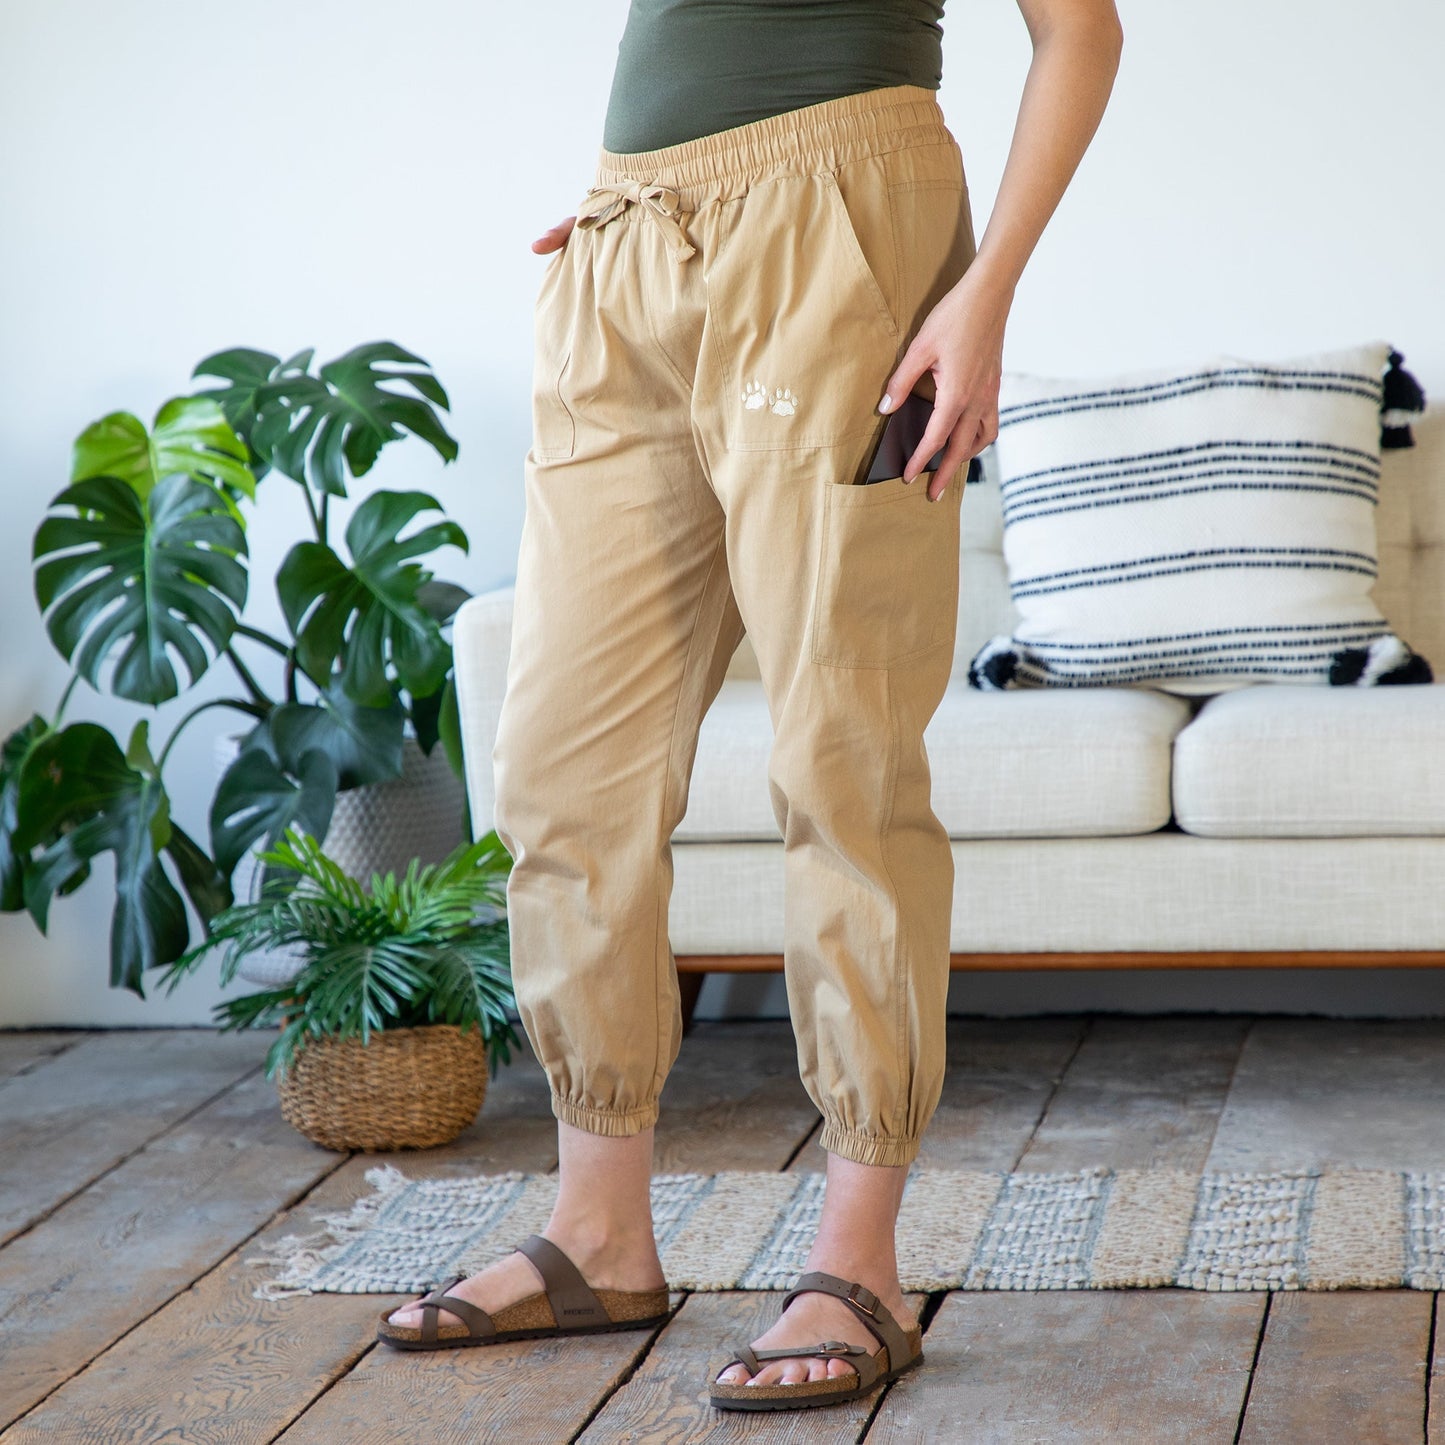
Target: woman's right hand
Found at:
555, 238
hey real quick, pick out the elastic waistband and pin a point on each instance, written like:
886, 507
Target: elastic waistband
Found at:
827, 133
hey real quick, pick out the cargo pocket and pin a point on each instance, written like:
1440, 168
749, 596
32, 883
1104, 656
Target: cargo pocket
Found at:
804, 332
554, 431
887, 573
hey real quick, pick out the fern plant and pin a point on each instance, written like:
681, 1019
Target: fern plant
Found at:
430, 947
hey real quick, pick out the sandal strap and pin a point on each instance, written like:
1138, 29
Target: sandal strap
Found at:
476, 1319
866, 1365
865, 1304
745, 1356
572, 1299
826, 1347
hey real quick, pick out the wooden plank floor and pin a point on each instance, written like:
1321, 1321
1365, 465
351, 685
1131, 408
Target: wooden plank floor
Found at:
142, 1169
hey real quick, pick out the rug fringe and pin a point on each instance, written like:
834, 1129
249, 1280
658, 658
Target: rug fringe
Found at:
300, 1256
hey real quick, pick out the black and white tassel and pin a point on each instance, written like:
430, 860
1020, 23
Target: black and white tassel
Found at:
995, 665
1386, 661
1403, 403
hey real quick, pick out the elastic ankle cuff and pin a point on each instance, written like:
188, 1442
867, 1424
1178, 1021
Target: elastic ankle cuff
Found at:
868, 1148
615, 1123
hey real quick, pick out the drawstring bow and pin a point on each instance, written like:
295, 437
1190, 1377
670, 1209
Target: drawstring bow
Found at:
662, 203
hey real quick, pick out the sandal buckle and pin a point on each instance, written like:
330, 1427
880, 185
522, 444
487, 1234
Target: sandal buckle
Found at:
863, 1297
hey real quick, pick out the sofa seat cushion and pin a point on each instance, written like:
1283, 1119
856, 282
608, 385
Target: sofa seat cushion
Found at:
1282, 761
1026, 764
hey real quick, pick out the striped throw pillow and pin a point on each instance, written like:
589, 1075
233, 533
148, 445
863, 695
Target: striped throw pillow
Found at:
1199, 529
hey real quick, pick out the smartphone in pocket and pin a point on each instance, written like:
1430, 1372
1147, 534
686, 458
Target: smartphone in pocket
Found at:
898, 438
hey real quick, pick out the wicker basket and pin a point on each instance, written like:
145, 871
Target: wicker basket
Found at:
405, 1089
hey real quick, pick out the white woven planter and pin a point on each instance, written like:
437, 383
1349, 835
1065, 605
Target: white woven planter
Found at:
376, 829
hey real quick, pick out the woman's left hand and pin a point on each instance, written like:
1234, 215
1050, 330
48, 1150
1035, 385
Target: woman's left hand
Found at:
961, 343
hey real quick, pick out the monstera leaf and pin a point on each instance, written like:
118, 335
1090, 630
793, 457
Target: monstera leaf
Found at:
191, 435
79, 797
365, 743
257, 799
370, 617
308, 426
246, 373
292, 764
16, 749
142, 576
426, 714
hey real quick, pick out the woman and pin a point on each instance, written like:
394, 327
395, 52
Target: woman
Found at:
776, 254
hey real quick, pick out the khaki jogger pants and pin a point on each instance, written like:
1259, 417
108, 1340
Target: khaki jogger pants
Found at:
712, 343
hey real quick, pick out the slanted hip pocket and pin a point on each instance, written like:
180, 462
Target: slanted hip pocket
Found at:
887, 574
554, 429
802, 325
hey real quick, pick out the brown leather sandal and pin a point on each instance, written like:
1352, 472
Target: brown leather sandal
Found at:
567, 1305
900, 1349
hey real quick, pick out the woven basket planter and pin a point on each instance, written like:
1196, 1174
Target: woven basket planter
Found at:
405, 1089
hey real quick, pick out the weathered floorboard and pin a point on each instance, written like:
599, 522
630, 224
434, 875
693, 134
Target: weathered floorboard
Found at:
22, 1049
1005, 1367
1140, 1094
1347, 1365
734, 1092
216, 1364
71, 1117
532, 1390
118, 1250
1336, 1094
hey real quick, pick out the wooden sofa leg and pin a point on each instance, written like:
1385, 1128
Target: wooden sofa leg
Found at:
690, 986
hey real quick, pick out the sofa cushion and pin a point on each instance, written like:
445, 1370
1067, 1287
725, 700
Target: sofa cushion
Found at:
1005, 765
1198, 528
1290, 762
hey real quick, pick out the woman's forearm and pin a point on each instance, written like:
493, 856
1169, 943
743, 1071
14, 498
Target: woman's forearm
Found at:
1076, 56
1075, 60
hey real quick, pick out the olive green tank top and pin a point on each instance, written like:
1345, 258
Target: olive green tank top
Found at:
686, 68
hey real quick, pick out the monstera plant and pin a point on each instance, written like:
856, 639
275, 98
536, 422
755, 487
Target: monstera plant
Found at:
142, 575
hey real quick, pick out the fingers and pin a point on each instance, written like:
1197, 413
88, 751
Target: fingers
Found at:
968, 435
947, 469
555, 237
902, 381
941, 423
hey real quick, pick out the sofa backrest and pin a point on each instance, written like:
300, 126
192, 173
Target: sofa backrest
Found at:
1410, 527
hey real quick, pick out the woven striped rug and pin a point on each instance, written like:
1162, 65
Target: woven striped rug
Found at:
958, 1229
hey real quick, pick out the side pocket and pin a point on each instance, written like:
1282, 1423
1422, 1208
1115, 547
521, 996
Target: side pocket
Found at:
554, 431
803, 334
867, 231
933, 241
887, 574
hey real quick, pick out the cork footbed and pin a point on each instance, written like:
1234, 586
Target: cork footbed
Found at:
532, 1318
811, 1392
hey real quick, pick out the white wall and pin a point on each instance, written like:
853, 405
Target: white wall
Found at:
177, 176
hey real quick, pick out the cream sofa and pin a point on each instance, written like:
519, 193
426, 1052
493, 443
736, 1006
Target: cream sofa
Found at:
1105, 826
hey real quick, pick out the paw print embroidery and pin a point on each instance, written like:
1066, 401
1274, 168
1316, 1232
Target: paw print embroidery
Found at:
755, 396
784, 402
